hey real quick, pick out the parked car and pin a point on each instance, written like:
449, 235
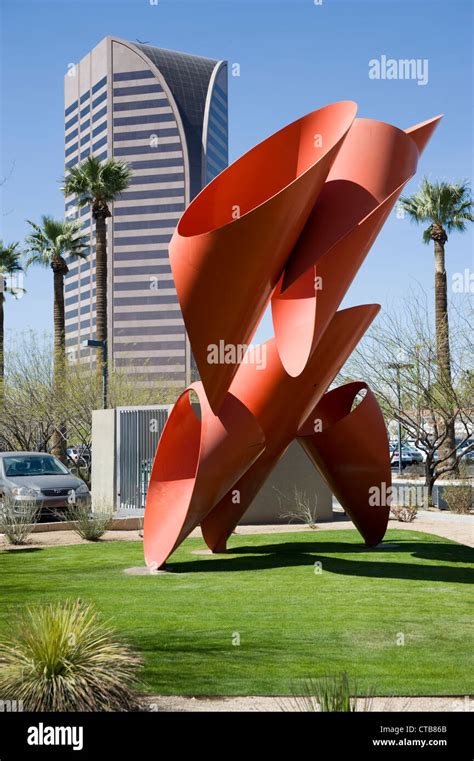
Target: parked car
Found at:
38, 476
410, 456
79, 455
468, 457
414, 453
406, 460
421, 452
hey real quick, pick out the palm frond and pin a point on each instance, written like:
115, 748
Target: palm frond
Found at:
94, 181
447, 204
427, 235
53, 239
10, 258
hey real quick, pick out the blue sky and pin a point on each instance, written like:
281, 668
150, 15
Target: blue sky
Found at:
294, 56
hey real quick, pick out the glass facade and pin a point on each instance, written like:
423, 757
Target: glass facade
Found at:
165, 114
217, 156
80, 280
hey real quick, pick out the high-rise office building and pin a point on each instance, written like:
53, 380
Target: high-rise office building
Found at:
165, 114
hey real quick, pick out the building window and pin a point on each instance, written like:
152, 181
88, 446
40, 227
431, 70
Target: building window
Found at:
71, 135
71, 149
99, 84
99, 144
70, 108
100, 99
98, 129
70, 122
127, 75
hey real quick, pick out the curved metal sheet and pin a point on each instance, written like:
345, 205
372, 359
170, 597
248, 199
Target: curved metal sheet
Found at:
374, 163
350, 449
232, 242
281, 403
306, 209
199, 456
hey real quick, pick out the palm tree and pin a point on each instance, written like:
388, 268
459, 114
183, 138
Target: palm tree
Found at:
47, 246
9, 265
446, 207
99, 184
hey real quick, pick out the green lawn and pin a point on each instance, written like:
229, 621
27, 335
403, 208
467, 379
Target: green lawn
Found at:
293, 623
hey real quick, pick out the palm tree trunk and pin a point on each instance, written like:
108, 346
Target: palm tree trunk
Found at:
101, 289
58, 447
441, 311
442, 345
2, 362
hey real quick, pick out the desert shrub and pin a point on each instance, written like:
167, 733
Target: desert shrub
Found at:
17, 519
403, 513
89, 524
300, 509
60, 657
417, 469
331, 694
458, 497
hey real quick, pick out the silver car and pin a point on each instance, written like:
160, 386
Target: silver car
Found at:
40, 477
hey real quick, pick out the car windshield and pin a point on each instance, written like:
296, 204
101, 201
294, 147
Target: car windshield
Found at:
33, 465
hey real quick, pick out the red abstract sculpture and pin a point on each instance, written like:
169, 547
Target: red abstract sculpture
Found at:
291, 221
199, 457
232, 242
350, 448
281, 403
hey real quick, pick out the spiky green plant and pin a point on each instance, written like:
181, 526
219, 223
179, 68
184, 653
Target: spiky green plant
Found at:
330, 694
17, 519
89, 524
60, 657
10, 264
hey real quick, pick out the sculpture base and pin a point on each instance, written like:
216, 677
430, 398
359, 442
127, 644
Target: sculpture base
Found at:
143, 570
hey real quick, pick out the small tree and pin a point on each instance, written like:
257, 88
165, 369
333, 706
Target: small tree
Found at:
10, 265
431, 405
32, 405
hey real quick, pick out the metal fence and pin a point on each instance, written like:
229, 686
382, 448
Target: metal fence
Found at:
137, 435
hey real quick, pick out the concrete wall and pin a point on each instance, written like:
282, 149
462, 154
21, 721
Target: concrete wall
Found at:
103, 484
277, 496
293, 471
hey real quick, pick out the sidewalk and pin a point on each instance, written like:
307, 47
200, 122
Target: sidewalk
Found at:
265, 704
458, 528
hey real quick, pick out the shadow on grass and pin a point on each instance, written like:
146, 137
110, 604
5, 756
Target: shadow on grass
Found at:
287, 554
448, 552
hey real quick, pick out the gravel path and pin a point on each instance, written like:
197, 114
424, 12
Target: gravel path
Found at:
259, 704
59, 538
